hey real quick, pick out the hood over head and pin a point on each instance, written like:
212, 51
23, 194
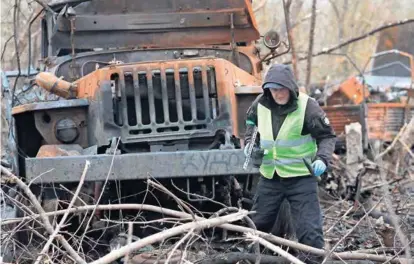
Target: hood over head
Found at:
282, 76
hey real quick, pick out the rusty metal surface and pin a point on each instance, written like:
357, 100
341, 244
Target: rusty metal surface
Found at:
89, 60
109, 7
163, 100
59, 150
148, 104
352, 89
248, 90
58, 104
126, 166
244, 101
55, 85
209, 36
339, 116
65, 150
46, 121
131, 23
151, 21
384, 120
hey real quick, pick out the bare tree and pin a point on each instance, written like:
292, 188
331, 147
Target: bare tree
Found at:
340, 17
310, 49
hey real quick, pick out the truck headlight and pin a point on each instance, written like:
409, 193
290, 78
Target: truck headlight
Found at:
66, 131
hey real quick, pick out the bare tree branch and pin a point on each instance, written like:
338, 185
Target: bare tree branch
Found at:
305, 18
350, 231
42, 213
45, 6
290, 38
62, 221
274, 248
335, 9
5, 46
237, 228
310, 49
179, 202
178, 244
169, 233
16, 47
394, 218
339, 19
361, 37
130, 228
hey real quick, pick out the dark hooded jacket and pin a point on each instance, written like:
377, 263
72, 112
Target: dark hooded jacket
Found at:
316, 123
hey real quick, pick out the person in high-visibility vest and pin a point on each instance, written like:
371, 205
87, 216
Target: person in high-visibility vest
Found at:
291, 127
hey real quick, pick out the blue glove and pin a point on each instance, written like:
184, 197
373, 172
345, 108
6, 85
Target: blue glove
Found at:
318, 167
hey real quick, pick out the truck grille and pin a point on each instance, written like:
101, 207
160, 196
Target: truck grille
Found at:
172, 98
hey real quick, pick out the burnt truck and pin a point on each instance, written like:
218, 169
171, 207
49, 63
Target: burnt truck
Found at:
142, 90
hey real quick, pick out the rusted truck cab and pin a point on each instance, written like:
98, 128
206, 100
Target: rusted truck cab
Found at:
155, 89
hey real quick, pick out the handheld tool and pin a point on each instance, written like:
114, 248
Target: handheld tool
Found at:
249, 154
309, 166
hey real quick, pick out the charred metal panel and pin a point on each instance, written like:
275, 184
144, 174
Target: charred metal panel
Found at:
158, 165
101, 124
178, 23
164, 101
340, 116
35, 125
244, 101
385, 120
89, 60
48, 114
47, 121
120, 6
58, 104
101, 39
27, 138
158, 21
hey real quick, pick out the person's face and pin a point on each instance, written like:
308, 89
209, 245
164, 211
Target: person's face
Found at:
281, 96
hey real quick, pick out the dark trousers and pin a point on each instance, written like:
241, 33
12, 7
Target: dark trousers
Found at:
302, 195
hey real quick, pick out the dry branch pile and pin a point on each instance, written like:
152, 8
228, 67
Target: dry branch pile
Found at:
369, 203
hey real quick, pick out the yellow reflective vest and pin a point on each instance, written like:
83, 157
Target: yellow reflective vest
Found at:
286, 152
